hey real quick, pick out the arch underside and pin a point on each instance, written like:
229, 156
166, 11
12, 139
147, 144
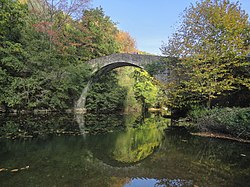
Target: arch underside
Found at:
107, 68
103, 70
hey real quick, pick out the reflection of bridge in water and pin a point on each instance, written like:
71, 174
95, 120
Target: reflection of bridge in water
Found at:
105, 64
171, 164
136, 139
168, 157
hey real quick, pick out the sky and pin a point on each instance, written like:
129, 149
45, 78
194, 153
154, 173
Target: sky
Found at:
149, 22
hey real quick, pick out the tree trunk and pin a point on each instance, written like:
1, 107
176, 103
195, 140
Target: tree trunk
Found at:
209, 102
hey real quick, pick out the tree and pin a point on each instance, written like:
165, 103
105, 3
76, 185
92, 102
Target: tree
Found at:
12, 55
212, 43
106, 95
35, 73
126, 42
145, 90
61, 73
51, 16
50, 8
101, 33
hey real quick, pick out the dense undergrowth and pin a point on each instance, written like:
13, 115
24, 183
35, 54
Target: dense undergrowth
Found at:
232, 121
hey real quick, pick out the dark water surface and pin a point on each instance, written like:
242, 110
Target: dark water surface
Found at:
115, 151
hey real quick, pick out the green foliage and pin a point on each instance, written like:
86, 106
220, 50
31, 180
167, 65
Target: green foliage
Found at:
12, 54
156, 68
145, 89
196, 112
126, 80
138, 143
11, 19
100, 32
212, 46
234, 121
106, 95
43, 58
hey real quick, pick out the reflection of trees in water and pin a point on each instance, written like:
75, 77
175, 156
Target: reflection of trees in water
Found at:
210, 160
138, 139
100, 123
136, 144
35, 125
180, 158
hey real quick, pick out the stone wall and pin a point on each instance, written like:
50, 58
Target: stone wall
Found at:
107, 63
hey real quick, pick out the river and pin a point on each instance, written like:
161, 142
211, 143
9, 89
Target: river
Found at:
115, 151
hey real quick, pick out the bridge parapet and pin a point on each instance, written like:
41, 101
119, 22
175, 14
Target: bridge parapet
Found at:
135, 59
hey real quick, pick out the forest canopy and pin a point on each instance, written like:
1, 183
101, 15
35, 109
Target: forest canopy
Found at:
211, 47
44, 46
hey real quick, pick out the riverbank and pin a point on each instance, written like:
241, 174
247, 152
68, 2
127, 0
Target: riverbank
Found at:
44, 111
219, 136
225, 123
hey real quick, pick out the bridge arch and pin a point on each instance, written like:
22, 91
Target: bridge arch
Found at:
109, 67
105, 64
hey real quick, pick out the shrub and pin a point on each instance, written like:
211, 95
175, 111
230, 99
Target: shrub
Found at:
233, 121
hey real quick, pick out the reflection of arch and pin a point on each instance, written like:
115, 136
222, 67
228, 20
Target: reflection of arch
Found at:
127, 146
115, 163
105, 64
105, 150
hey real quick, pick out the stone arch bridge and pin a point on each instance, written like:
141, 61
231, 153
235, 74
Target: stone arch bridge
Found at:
105, 64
